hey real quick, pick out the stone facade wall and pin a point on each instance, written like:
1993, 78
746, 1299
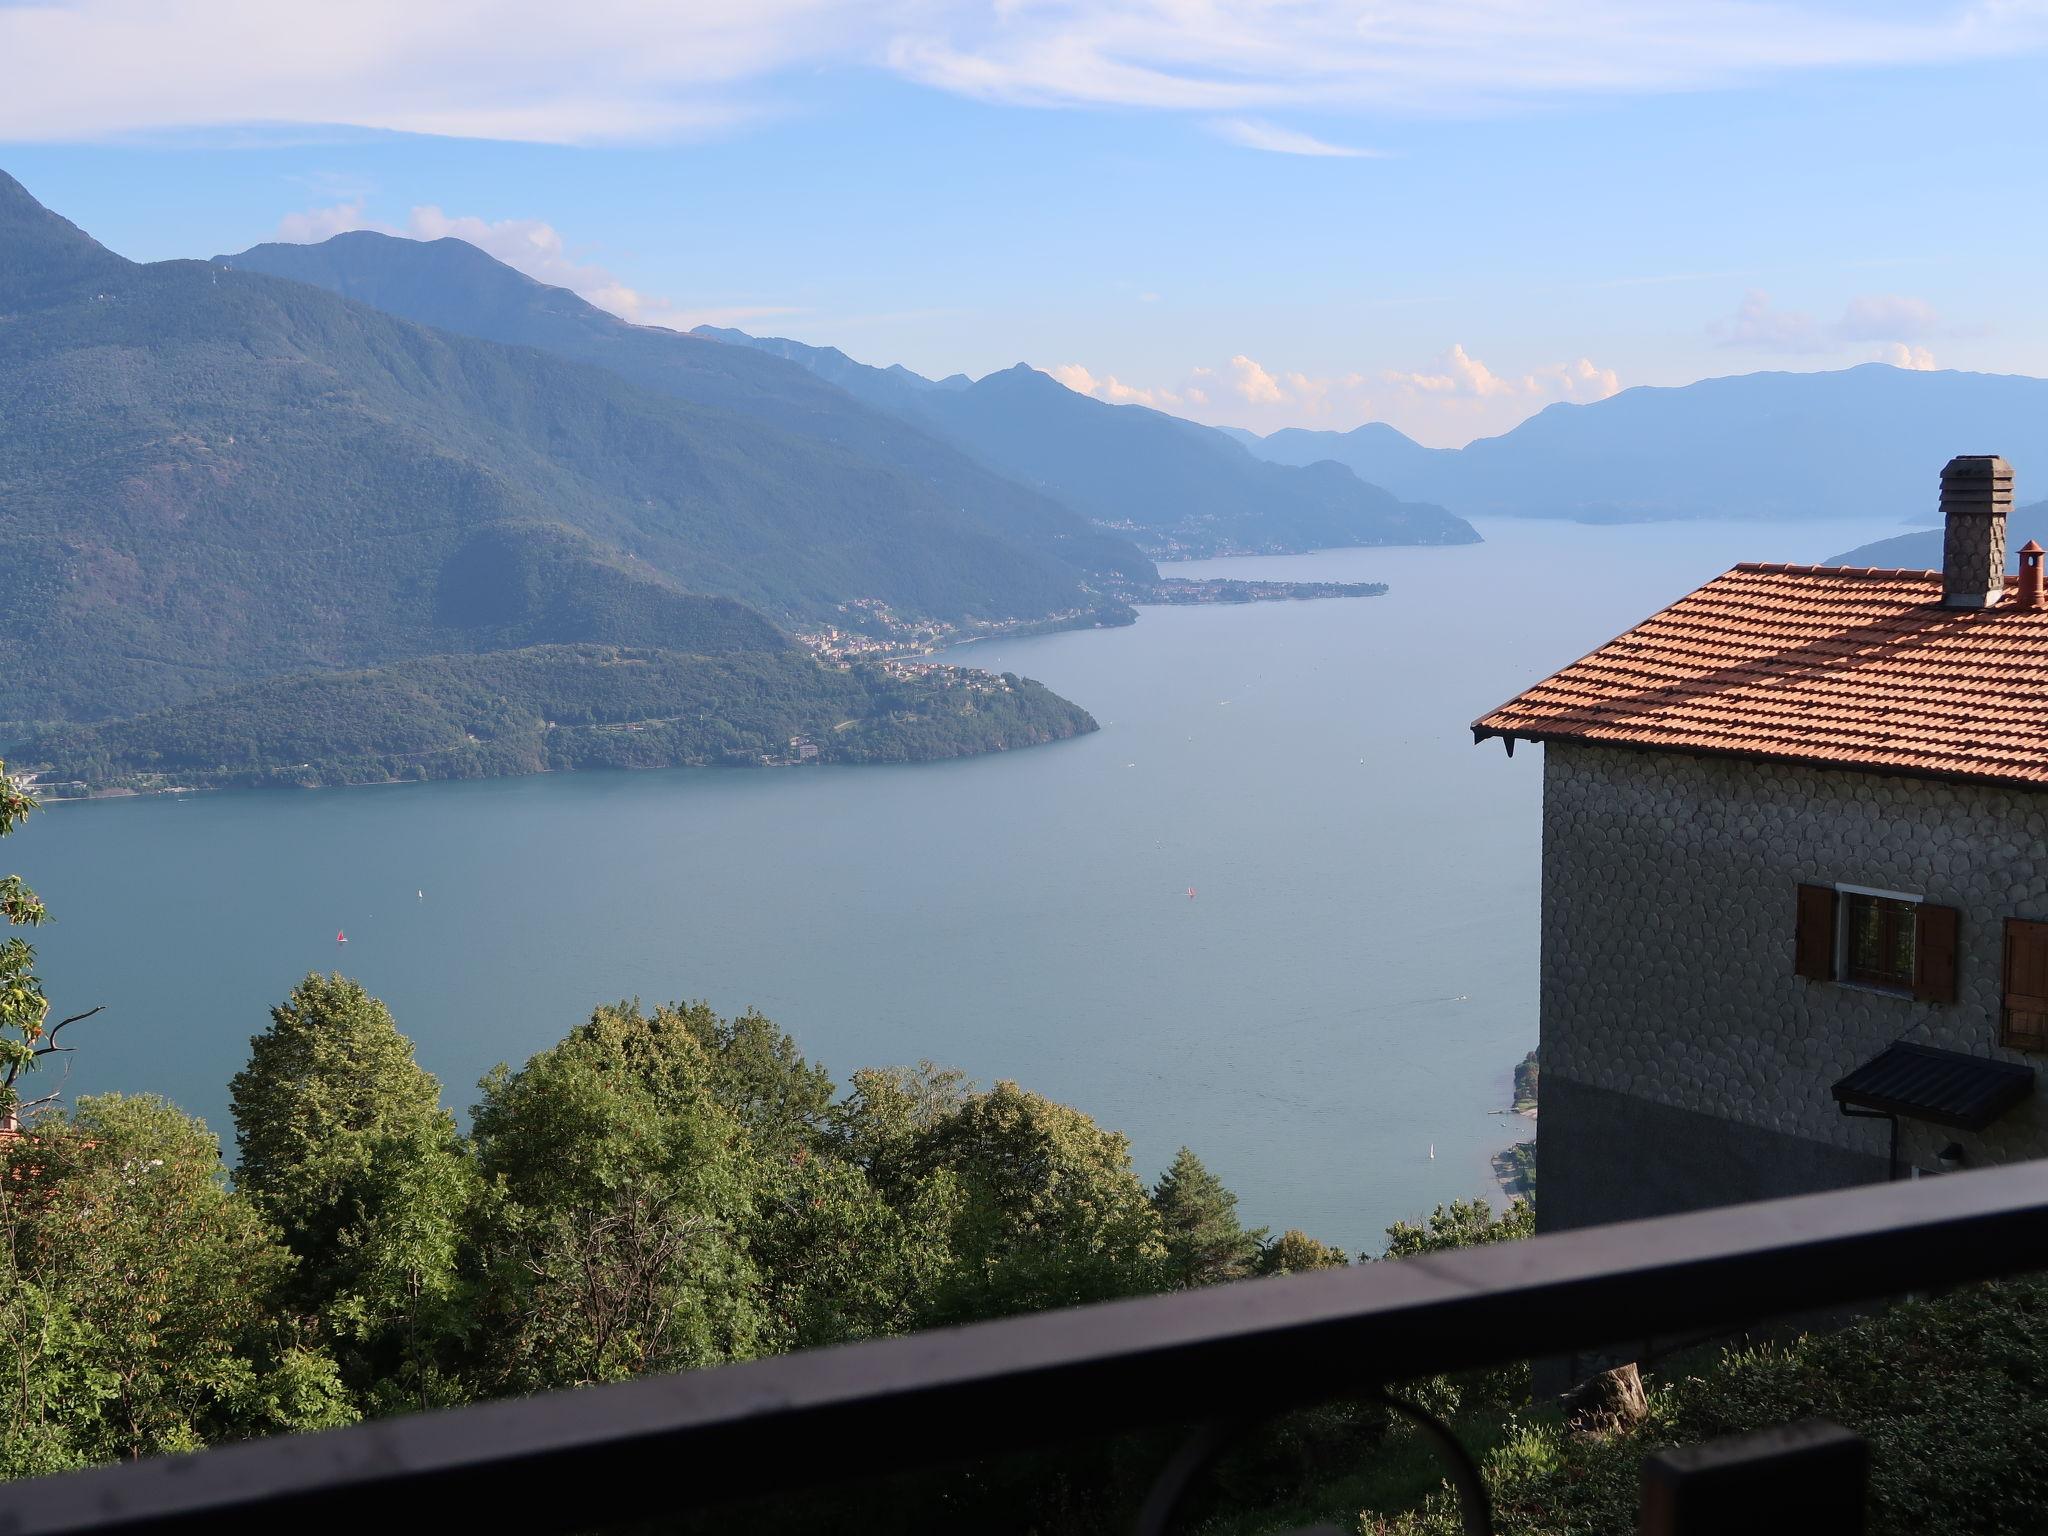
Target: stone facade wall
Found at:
1973, 554
1668, 925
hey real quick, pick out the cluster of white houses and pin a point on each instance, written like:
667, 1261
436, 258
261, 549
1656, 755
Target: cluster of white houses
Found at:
1795, 880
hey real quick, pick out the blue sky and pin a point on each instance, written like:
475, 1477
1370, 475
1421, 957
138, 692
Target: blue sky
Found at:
1533, 202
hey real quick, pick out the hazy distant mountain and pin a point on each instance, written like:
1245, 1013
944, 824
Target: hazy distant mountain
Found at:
1921, 549
215, 475
1859, 442
1176, 486
452, 285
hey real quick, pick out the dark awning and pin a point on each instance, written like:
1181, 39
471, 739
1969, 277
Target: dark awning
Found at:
1941, 1087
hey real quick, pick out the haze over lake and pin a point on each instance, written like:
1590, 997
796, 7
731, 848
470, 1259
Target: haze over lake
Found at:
1347, 987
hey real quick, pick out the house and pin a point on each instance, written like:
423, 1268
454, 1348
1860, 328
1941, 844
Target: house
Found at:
1795, 880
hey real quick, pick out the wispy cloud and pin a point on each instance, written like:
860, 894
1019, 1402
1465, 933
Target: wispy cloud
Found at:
1422, 56
652, 69
534, 247
1899, 321
1451, 400
1257, 133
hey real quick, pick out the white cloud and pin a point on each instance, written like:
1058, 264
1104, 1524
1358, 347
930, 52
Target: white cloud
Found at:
1419, 55
1899, 355
1894, 318
1756, 324
532, 246
1253, 382
1109, 387
501, 69
650, 69
1456, 398
1256, 133
317, 224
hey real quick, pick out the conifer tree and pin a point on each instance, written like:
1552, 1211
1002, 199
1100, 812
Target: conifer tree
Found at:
1205, 1243
347, 1151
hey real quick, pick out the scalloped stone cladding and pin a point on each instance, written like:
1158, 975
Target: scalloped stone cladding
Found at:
1667, 936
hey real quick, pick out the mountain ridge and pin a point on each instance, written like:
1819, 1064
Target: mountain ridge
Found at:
217, 475
1180, 488
1858, 441
451, 285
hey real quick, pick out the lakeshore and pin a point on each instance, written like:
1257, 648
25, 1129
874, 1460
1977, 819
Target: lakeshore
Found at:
1350, 985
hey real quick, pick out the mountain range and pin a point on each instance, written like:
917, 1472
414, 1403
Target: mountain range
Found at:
1856, 442
1071, 476
1176, 487
211, 475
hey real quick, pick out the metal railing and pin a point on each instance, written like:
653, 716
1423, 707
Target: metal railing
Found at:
1214, 1357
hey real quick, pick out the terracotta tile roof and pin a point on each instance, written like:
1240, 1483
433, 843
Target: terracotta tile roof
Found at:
1813, 664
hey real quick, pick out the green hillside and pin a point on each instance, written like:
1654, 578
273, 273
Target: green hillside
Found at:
549, 708
210, 476
454, 286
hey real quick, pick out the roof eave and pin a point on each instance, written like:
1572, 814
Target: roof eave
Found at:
1482, 732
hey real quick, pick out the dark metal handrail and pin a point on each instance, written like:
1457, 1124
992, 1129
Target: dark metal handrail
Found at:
570, 1460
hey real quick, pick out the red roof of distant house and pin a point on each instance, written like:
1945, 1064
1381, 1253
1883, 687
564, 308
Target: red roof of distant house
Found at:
1813, 664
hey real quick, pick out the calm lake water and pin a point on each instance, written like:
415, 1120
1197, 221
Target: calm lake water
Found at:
1346, 991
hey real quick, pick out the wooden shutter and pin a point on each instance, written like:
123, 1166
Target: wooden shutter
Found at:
1813, 949
1934, 953
2026, 985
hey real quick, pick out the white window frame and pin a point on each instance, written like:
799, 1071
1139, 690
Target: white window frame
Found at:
1843, 888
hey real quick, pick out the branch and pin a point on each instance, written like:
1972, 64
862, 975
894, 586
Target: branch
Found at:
50, 1039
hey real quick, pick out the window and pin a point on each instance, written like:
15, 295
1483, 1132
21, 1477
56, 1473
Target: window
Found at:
1884, 939
1878, 940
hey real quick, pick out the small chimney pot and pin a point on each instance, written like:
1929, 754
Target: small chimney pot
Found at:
1976, 495
2030, 575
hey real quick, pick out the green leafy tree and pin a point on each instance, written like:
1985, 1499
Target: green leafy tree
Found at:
1294, 1250
133, 1292
1461, 1224
620, 1192
346, 1148
26, 1034
1205, 1242
1466, 1224
1050, 1213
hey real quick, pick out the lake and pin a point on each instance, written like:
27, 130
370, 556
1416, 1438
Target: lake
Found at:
1279, 909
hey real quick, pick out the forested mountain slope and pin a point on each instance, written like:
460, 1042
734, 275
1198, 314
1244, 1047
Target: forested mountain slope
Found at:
210, 475
454, 286
554, 707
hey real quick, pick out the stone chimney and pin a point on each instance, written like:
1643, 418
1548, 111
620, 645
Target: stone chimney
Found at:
1976, 494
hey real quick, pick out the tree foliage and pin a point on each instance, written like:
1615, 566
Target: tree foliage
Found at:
559, 707
136, 1293
617, 1200
27, 1036
1461, 1224
1205, 1242
346, 1149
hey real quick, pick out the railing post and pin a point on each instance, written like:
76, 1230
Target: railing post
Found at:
1810, 1477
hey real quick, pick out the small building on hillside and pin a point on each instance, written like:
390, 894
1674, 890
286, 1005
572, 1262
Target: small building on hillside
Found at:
1795, 880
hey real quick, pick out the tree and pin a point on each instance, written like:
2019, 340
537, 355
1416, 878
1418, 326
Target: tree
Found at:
1205, 1243
1050, 1212
346, 1148
619, 1192
26, 1035
1461, 1224
1294, 1250
133, 1296
1464, 1224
